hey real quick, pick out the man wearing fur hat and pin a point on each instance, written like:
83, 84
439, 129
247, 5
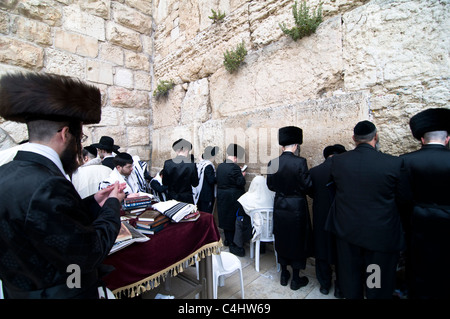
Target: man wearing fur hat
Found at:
45, 226
289, 178
365, 217
179, 174
427, 220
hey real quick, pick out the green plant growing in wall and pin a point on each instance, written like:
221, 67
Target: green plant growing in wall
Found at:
305, 24
233, 59
163, 88
217, 16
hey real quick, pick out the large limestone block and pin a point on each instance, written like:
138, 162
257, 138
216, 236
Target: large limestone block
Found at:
281, 73
396, 43
79, 21
195, 105
22, 54
167, 110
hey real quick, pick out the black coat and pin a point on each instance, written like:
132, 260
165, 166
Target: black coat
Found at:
369, 187
427, 221
180, 175
45, 226
109, 162
289, 178
209, 182
324, 242
230, 186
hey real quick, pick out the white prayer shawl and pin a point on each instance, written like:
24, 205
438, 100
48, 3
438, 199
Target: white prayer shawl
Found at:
137, 175
87, 177
132, 186
257, 196
201, 174
175, 210
8, 154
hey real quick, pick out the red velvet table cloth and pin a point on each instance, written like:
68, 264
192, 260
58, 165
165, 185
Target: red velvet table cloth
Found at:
141, 266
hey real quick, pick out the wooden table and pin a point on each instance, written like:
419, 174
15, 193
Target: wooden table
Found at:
143, 266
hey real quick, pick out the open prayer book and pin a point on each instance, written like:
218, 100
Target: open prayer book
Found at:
175, 210
127, 235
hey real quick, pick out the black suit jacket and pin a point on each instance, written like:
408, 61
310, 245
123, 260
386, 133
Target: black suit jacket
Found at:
369, 185
324, 246
179, 175
427, 221
45, 226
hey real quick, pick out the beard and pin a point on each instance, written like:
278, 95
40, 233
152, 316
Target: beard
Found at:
70, 158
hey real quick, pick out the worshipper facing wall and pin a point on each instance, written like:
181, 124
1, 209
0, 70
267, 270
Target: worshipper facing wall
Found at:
427, 217
289, 178
365, 216
324, 241
231, 186
205, 192
179, 174
157, 188
258, 196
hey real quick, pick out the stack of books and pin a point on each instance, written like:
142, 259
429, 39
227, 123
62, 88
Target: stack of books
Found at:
136, 204
151, 222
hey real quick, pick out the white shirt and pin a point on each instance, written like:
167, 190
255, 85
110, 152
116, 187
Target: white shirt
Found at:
47, 152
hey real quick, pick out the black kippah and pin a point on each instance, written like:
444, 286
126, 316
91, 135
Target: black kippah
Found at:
364, 128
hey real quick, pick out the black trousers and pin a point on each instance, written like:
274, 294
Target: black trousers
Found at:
324, 273
359, 268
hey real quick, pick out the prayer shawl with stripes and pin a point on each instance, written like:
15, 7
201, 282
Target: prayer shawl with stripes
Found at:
175, 210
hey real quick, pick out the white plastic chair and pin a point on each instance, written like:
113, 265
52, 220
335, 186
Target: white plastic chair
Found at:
224, 264
264, 218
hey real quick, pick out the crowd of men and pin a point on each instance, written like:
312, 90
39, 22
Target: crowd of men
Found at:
368, 207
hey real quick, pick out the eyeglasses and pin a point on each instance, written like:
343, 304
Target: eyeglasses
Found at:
83, 138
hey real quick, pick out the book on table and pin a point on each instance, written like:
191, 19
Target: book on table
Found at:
127, 236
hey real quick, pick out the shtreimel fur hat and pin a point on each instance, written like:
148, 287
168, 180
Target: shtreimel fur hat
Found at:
35, 96
436, 119
289, 135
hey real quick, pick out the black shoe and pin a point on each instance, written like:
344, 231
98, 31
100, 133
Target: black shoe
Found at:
298, 283
238, 251
338, 293
324, 290
284, 278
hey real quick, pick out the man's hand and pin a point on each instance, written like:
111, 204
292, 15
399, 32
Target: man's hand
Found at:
115, 191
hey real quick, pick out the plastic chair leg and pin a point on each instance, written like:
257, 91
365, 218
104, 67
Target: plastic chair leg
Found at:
257, 244
242, 283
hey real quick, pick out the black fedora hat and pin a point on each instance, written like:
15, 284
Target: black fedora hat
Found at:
106, 143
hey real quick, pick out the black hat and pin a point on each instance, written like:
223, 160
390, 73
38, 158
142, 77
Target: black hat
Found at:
289, 135
38, 96
333, 149
364, 128
181, 144
430, 120
122, 159
91, 149
210, 151
106, 143
235, 150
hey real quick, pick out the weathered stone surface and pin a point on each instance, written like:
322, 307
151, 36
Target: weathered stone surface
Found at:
76, 43
131, 18
137, 61
99, 72
123, 37
79, 21
112, 53
32, 30
41, 10
121, 97
21, 54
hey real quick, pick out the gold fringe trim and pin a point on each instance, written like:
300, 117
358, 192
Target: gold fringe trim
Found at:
155, 280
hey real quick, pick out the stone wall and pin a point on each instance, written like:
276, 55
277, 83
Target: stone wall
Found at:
381, 60
104, 42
